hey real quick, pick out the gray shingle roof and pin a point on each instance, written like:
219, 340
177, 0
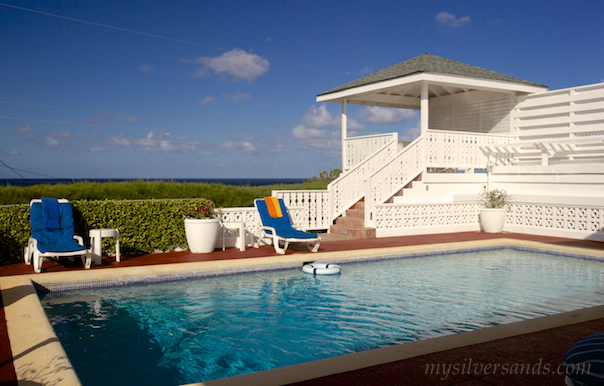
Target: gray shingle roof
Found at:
433, 64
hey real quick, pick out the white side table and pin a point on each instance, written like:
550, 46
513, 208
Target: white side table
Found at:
96, 237
237, 225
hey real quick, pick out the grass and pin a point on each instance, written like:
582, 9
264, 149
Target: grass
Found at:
223, 195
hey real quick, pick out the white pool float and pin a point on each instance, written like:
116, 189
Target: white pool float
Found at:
321, 269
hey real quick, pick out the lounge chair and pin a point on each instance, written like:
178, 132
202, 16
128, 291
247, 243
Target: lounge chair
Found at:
277, 226
52, 233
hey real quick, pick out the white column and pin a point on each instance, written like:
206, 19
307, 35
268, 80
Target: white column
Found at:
344, 134
424, 107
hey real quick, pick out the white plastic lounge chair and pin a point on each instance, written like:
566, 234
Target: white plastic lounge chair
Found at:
277, 226
52, 233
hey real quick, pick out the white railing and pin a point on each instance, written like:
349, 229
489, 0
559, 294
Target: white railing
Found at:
459, 149
315, 215
251, 219
350, 186
359, 148
393, 176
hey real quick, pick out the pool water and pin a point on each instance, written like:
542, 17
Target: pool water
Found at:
198, 330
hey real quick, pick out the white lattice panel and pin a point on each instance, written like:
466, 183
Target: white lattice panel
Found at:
426, 215
558, 218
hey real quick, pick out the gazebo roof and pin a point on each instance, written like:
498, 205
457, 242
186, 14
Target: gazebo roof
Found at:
443, 75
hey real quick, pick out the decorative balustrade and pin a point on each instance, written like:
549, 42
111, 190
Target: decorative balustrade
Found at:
358, 149
458, 149
315, 204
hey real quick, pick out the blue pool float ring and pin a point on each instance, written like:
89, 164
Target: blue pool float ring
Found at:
321, 269
584, 362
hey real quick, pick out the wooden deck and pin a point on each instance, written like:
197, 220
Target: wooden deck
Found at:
547, 346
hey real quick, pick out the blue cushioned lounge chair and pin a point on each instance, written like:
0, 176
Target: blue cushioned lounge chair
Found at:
277, 227
52, 233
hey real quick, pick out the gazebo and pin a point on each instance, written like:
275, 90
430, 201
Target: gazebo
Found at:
450, 95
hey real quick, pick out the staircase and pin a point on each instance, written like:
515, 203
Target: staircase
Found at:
353, 223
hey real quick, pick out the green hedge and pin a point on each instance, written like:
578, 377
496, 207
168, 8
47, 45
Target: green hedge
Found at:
145, 226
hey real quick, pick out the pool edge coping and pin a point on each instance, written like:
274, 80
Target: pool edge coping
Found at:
34, 342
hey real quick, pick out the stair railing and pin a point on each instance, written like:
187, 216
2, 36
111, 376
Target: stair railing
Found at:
350, 186
393, 176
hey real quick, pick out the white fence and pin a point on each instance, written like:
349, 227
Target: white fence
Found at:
360, 148
576, 111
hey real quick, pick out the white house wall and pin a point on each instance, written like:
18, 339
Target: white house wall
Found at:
478, 111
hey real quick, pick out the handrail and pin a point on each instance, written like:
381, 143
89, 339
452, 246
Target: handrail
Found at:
393, 176
349, 187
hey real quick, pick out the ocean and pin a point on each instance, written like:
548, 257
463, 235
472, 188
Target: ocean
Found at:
224, 181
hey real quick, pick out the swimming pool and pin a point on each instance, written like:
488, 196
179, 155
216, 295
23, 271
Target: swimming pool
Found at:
198, 330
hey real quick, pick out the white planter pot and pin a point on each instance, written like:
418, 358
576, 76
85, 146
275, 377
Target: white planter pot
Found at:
492, 220
202, 234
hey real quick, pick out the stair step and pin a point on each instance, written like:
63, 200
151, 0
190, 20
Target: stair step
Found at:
350, 221
358, 233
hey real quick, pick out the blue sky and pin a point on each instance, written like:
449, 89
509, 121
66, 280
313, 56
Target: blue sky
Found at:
226, 89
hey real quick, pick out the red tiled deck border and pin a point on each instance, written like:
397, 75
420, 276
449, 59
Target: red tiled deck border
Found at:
388, 374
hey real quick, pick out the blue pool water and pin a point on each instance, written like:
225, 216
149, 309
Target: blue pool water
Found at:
197, 330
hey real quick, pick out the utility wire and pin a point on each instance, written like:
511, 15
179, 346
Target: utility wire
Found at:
157, 36
137, 128
16, 172
152, 141
36, 173
146, 115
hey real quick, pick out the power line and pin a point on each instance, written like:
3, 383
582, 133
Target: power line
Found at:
16, 172
138, 128
146, 115
157, 36
162, 142
36, 173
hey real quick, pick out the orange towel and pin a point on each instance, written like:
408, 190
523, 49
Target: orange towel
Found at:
274, 209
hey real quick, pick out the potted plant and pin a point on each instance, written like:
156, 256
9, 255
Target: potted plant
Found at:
202, 226
492, 215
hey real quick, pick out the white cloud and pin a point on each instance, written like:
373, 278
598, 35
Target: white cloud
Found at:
24, 128
207, 100
236, 63
54, 139
449, 20
238, 96
163, 141
15, 152
320, 129
410, 134
120, 141
387, 116
147, 68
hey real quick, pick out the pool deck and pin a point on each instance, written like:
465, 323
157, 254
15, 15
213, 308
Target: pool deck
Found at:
490, 356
